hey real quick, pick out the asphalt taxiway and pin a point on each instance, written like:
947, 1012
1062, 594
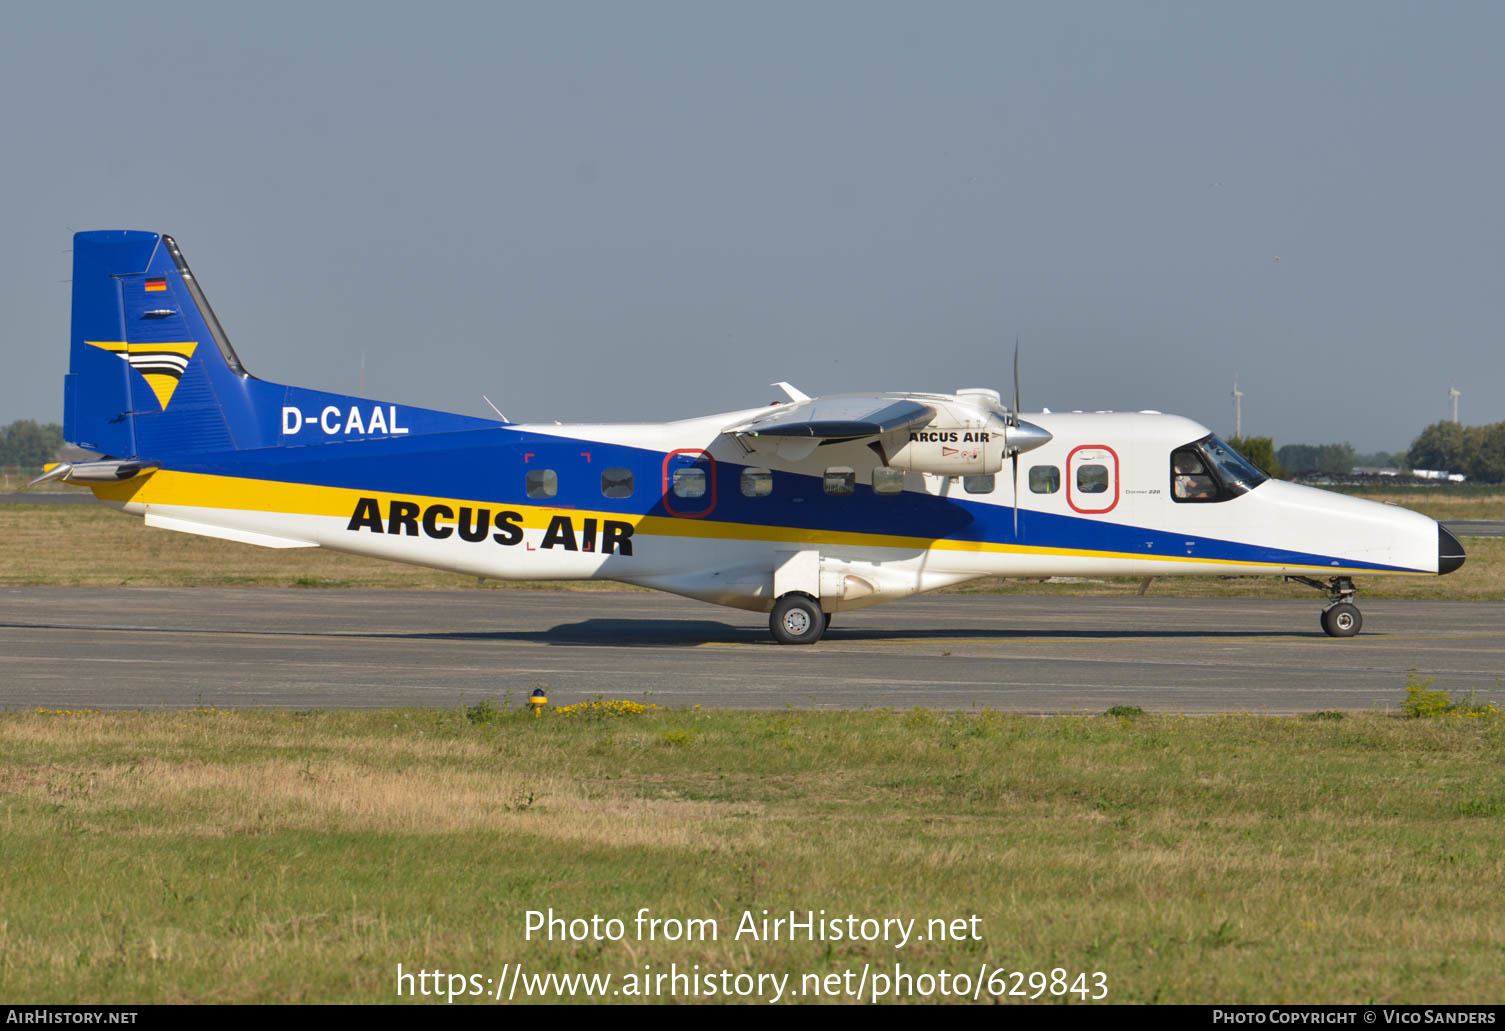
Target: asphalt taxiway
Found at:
176, 647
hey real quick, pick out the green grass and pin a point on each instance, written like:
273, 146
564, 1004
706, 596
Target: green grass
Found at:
274, 856
107, 548
1454, 501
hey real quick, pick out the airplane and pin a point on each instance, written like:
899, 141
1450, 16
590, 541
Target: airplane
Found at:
802, 509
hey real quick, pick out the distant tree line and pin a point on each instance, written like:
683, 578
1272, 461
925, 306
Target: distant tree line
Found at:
1382, 460
1477, 452
30, 444
1260, 451
1305, 459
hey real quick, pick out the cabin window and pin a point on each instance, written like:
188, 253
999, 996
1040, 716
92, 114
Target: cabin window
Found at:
887, 481
757, 483
1044, 479
689, 483
841, 479
977, 484
542, 483
1092, 479
616, 483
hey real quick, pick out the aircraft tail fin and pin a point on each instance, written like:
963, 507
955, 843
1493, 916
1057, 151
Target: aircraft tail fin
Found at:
152, 375
140, 321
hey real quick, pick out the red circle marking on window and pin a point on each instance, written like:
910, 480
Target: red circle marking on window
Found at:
1071, 478
668, 486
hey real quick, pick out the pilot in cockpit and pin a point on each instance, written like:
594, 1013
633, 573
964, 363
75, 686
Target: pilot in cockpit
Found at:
1191, 481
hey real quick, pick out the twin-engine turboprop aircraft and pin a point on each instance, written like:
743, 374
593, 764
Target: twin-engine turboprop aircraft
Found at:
802, 509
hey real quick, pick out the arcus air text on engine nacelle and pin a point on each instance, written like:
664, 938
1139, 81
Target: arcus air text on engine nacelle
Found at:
953, 447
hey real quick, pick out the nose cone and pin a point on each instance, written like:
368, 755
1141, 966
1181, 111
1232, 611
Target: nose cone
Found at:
1026, 437
1450, 554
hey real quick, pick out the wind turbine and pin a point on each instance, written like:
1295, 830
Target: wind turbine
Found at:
1238, 410
1454, 394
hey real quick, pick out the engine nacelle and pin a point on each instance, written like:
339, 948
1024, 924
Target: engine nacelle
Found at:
955, 450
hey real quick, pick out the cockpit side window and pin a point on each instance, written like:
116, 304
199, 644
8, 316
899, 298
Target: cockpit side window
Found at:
1190, 480
1209, 470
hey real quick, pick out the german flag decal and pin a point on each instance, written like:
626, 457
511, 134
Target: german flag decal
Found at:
156, 286
161, 364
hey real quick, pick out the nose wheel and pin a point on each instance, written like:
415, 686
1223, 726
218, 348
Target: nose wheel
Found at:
1342, 620
1342, 617
797, 619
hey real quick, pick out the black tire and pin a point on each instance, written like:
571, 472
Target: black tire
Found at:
797, 619
1342, 620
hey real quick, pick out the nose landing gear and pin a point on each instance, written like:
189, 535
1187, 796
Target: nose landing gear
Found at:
1342, 617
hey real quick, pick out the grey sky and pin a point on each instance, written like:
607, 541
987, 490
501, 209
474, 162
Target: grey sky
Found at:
644, 210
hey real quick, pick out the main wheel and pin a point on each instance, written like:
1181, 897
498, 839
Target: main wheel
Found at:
797, 619
1342, 620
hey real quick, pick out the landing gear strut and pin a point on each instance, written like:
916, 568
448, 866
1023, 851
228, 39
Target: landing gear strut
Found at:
797, 619
1341, 618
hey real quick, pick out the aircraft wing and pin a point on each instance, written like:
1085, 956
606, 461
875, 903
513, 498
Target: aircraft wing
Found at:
837, 418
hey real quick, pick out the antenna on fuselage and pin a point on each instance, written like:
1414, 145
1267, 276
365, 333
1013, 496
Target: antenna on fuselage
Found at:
494, 408
1238, 407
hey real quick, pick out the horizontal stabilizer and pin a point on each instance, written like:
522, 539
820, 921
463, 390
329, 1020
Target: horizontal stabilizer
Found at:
109, 471
224, 533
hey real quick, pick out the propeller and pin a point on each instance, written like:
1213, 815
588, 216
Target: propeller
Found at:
1013, 423
1019, 436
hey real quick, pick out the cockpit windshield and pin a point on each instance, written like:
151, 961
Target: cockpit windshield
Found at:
1236, 471
1210, 470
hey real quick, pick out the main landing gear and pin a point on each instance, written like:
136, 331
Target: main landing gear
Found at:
797, 619
1342, 617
